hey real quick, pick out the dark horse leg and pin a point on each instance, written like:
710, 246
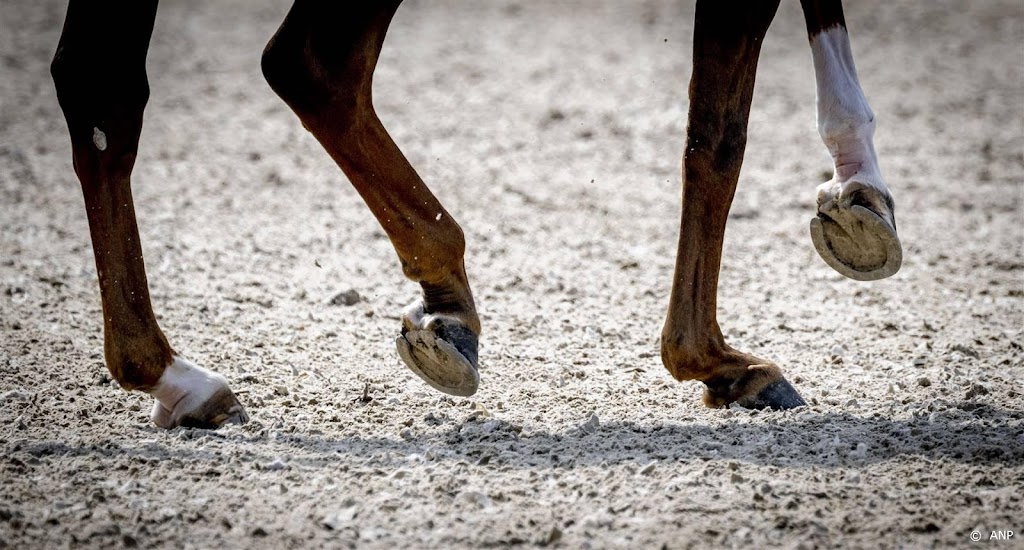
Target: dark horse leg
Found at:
726, 43
321, 62
100, 75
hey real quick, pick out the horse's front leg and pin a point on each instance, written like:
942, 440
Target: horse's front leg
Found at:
321, 62
100, 75
855, 229
727, 41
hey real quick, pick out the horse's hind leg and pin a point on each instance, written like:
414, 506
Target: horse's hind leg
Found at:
321, 63
726, 44
100, 75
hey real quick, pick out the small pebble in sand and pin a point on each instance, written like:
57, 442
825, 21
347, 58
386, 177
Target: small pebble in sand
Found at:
340, 519
591, 425
861, 451
276, 465
554, 536
474, 498
976, 390
924, 382
347, 298
838, 351
14, 395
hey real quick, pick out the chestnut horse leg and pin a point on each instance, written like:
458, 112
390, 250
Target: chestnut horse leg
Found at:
321, 63
855, 230
726, 43
99, 71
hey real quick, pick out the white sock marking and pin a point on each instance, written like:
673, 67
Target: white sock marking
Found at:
845, 121
183, 387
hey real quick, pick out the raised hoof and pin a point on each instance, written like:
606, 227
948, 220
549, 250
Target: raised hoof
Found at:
440, 350
778, 395
191, 396
855, 232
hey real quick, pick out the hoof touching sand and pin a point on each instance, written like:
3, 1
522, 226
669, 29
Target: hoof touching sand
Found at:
779, 395
191, 396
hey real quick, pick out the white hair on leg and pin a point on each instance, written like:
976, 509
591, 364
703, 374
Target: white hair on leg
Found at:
183, 388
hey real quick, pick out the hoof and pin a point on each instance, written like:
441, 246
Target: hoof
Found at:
194, 397
855, 231
778, 395
441, 350
760, 386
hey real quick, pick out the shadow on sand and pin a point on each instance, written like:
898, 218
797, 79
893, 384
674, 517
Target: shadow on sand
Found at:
962, 432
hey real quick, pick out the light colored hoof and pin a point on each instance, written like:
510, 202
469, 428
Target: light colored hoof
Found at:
438, 363
191, 396
856, 240
440, 349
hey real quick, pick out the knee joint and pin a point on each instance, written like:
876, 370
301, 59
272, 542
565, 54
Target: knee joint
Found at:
91, 91
299, 78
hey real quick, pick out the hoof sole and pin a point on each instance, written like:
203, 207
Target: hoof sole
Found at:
440, 363
857, 242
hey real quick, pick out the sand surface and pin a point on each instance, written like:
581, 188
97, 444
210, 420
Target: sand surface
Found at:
553, 132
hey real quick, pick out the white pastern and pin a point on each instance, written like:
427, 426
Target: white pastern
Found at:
183, 388
414, 318
845, 121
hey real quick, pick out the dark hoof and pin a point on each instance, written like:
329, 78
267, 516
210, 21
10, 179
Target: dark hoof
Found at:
220, 409
778, 395
223, 408
189, 395
444, 355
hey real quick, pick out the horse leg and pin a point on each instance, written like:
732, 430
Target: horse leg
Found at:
99, 71
726, 43
321, 63
855, 229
